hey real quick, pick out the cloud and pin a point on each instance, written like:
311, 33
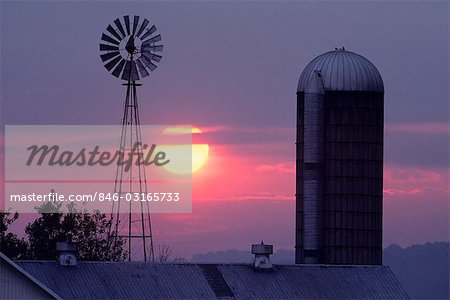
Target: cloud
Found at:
397, 192
266, 196
429, 128
209, 129
414, 181
280, 168
242, 129
402, 175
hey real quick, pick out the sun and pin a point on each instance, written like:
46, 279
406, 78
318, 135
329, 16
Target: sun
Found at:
200, 154
177, 153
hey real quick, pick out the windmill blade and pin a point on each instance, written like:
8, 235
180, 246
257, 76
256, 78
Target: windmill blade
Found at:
148, 63
151, 66
141, 68
109, 39
156, 57
126, 72
113, 32
120, 27
135, 23
149, 32
113, 63
109, 55
134, 72
104, 47
149, 47
143, 26
127, 23
153, 57
154, 39
145, 59
119, 68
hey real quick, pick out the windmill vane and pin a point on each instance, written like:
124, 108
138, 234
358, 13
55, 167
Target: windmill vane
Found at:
129, 48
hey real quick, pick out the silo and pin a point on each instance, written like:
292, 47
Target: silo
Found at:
339, 167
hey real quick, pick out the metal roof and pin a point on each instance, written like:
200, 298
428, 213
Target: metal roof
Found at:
107, 280
7, 285
343, 70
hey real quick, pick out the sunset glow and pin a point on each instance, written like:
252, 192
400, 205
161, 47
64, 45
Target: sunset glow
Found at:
229, 108
200, 152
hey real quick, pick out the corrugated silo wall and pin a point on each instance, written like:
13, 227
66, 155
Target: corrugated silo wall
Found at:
352, 220
299, 255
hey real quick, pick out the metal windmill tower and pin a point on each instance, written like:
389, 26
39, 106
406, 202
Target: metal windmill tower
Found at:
128, 51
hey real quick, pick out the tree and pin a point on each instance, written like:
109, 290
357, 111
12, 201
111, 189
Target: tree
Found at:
90, 230
165, 255
11, 245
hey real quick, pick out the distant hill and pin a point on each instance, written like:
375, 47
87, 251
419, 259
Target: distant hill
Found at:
227, 256
282, 257
423, 270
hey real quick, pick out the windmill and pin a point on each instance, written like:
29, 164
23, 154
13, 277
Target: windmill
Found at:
129, 52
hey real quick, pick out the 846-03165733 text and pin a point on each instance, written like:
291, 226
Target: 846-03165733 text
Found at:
101, 197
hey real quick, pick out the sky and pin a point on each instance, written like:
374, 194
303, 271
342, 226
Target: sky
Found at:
231, 69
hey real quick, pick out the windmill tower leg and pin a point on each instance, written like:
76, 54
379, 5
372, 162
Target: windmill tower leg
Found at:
135, 225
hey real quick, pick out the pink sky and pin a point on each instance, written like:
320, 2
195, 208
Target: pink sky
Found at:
231, 68
245, 193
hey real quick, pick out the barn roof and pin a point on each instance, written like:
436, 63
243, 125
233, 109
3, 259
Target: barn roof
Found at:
9, 287
138, 280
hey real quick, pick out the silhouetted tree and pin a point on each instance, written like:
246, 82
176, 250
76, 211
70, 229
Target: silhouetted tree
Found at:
165, 255
10, 244
90, 230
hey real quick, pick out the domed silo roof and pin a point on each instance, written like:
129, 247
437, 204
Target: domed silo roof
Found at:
343, 70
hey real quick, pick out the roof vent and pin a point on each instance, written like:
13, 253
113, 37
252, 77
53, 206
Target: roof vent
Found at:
67, 253
262, 256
